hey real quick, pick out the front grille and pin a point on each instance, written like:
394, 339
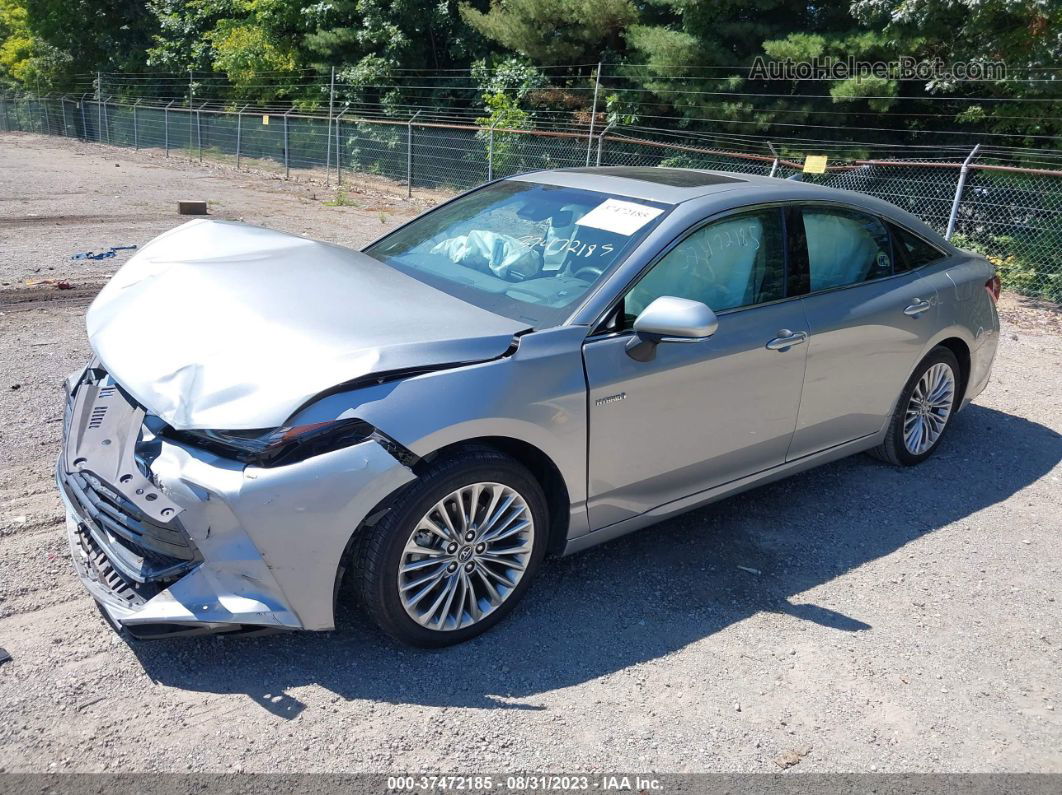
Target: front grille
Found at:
141, 550
130, 592
131, 554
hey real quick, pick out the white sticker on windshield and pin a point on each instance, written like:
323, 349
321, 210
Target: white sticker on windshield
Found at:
623, 218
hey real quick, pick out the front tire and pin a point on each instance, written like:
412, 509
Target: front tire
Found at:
456, 551
924, 411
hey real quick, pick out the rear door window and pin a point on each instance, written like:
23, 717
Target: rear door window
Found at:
911, 250
845, 247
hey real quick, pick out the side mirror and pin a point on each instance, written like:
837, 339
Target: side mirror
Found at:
670, 319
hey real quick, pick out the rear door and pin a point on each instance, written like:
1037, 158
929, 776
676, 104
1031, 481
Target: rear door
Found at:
869, 320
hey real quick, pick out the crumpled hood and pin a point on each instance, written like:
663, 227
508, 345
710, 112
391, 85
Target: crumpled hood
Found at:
223, 325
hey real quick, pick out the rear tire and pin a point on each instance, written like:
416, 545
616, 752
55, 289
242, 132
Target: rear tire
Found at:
456, 551
924, 410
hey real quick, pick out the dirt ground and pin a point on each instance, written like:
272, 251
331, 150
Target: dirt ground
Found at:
861, 617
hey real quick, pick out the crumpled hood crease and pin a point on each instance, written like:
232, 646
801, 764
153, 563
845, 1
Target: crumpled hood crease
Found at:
224, 325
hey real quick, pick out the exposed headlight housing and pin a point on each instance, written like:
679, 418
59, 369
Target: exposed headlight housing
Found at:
279, 446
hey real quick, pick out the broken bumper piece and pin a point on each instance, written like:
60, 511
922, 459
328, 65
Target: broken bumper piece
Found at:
170, 539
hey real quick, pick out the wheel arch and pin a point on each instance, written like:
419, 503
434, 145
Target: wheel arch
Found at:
539, 464
954, 340
961, 350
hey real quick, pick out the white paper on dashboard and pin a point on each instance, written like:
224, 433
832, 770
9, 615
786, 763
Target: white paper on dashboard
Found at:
623, 218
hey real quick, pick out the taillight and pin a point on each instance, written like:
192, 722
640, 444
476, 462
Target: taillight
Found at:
993, 286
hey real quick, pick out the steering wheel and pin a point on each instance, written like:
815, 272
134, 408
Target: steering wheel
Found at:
588, 273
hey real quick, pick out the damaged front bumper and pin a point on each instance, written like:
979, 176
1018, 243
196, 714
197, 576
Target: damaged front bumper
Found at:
172, 539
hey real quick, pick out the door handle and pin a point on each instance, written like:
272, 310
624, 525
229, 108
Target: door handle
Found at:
918, 307
786, 339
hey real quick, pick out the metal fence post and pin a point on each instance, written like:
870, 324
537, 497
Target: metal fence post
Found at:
62, 107
958, 192
199, 132
44, 113
490, 150
593, 114
601, 140
239, 131
84, 122
3, 111
287, 166
339, 157
409, 155
774, 165
136, 136
166, 127
191, 102
99, 107
107, 118
328, 137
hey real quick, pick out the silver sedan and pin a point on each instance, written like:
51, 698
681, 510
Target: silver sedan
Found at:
542, 364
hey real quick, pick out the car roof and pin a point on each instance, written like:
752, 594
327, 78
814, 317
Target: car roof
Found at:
664, 185
678, 185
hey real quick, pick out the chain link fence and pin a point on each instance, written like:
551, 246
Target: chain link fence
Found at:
1013, 215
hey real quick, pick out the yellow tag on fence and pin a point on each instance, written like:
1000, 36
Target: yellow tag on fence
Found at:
265, 118
815, 164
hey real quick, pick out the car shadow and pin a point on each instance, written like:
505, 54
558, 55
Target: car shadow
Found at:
647, 594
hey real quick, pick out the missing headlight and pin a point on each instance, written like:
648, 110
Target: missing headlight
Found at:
279, 446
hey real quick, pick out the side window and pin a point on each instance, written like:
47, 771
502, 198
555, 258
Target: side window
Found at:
738, 261
912, 251
845, 247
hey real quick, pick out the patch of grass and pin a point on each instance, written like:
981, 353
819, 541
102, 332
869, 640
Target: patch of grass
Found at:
341, 199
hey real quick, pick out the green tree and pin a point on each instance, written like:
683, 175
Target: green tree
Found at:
1024, 34
182, 40
84, 36
555, 31
256, 43
17, 45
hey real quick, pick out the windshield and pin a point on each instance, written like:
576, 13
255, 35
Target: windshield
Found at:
519, 249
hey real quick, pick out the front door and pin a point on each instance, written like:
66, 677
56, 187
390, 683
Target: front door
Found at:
702, 413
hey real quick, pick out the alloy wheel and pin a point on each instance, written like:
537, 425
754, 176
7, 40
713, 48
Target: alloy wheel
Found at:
929, 408
465, 556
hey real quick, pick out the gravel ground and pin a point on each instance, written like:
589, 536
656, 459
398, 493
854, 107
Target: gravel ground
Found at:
894, 620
